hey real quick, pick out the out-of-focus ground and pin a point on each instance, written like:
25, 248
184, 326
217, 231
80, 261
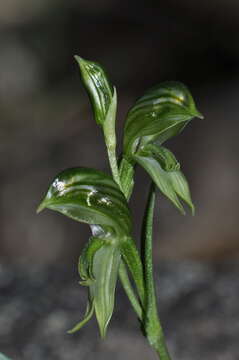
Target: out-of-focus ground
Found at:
198, 308
46, 123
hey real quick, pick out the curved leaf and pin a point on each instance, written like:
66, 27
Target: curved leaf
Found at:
164, 169
158, 115
98, 87
131, 257
89, 196
105, 269
88, 315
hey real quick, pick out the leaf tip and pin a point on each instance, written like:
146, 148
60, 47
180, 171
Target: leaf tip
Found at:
192, 209
103, 330
76, 328
197, 114
71, 331
182, 211
40, 207
79, 59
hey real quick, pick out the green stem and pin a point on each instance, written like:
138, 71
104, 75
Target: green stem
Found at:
110, 140
129, 291
152, 324
111, 150
110, 137
149, 317
126, 173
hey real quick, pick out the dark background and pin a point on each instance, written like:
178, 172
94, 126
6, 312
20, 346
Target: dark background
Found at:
46, 123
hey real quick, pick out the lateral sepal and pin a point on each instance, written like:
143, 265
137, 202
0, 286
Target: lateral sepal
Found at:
164, 170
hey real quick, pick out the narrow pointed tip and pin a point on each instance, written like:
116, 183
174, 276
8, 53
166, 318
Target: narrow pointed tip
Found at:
76, 328
78, 58
198, 114
103, 329
182, 212
180, 208
193, 210
40, 207
103, 333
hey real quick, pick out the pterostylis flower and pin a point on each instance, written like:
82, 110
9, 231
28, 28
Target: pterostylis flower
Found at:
93, 197
103, 99
98, 87
160, 114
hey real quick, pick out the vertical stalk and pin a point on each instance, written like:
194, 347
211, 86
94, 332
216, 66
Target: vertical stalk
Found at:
147, 310
110, 137
110, 141
111, 150
126, 173
152, 326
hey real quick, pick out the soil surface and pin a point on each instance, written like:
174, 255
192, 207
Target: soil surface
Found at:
198, 307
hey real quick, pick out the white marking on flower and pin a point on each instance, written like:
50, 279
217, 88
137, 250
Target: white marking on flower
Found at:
105, 200
59, 185
91, 193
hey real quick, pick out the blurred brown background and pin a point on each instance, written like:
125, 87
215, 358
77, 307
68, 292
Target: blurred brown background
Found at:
46, 122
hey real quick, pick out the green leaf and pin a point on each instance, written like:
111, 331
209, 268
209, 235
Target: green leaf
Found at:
89, 196
158, 115
98, 88
105, 269
164, 170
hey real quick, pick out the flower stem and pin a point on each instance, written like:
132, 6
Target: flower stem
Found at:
152, 326
126, 173
111, 150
